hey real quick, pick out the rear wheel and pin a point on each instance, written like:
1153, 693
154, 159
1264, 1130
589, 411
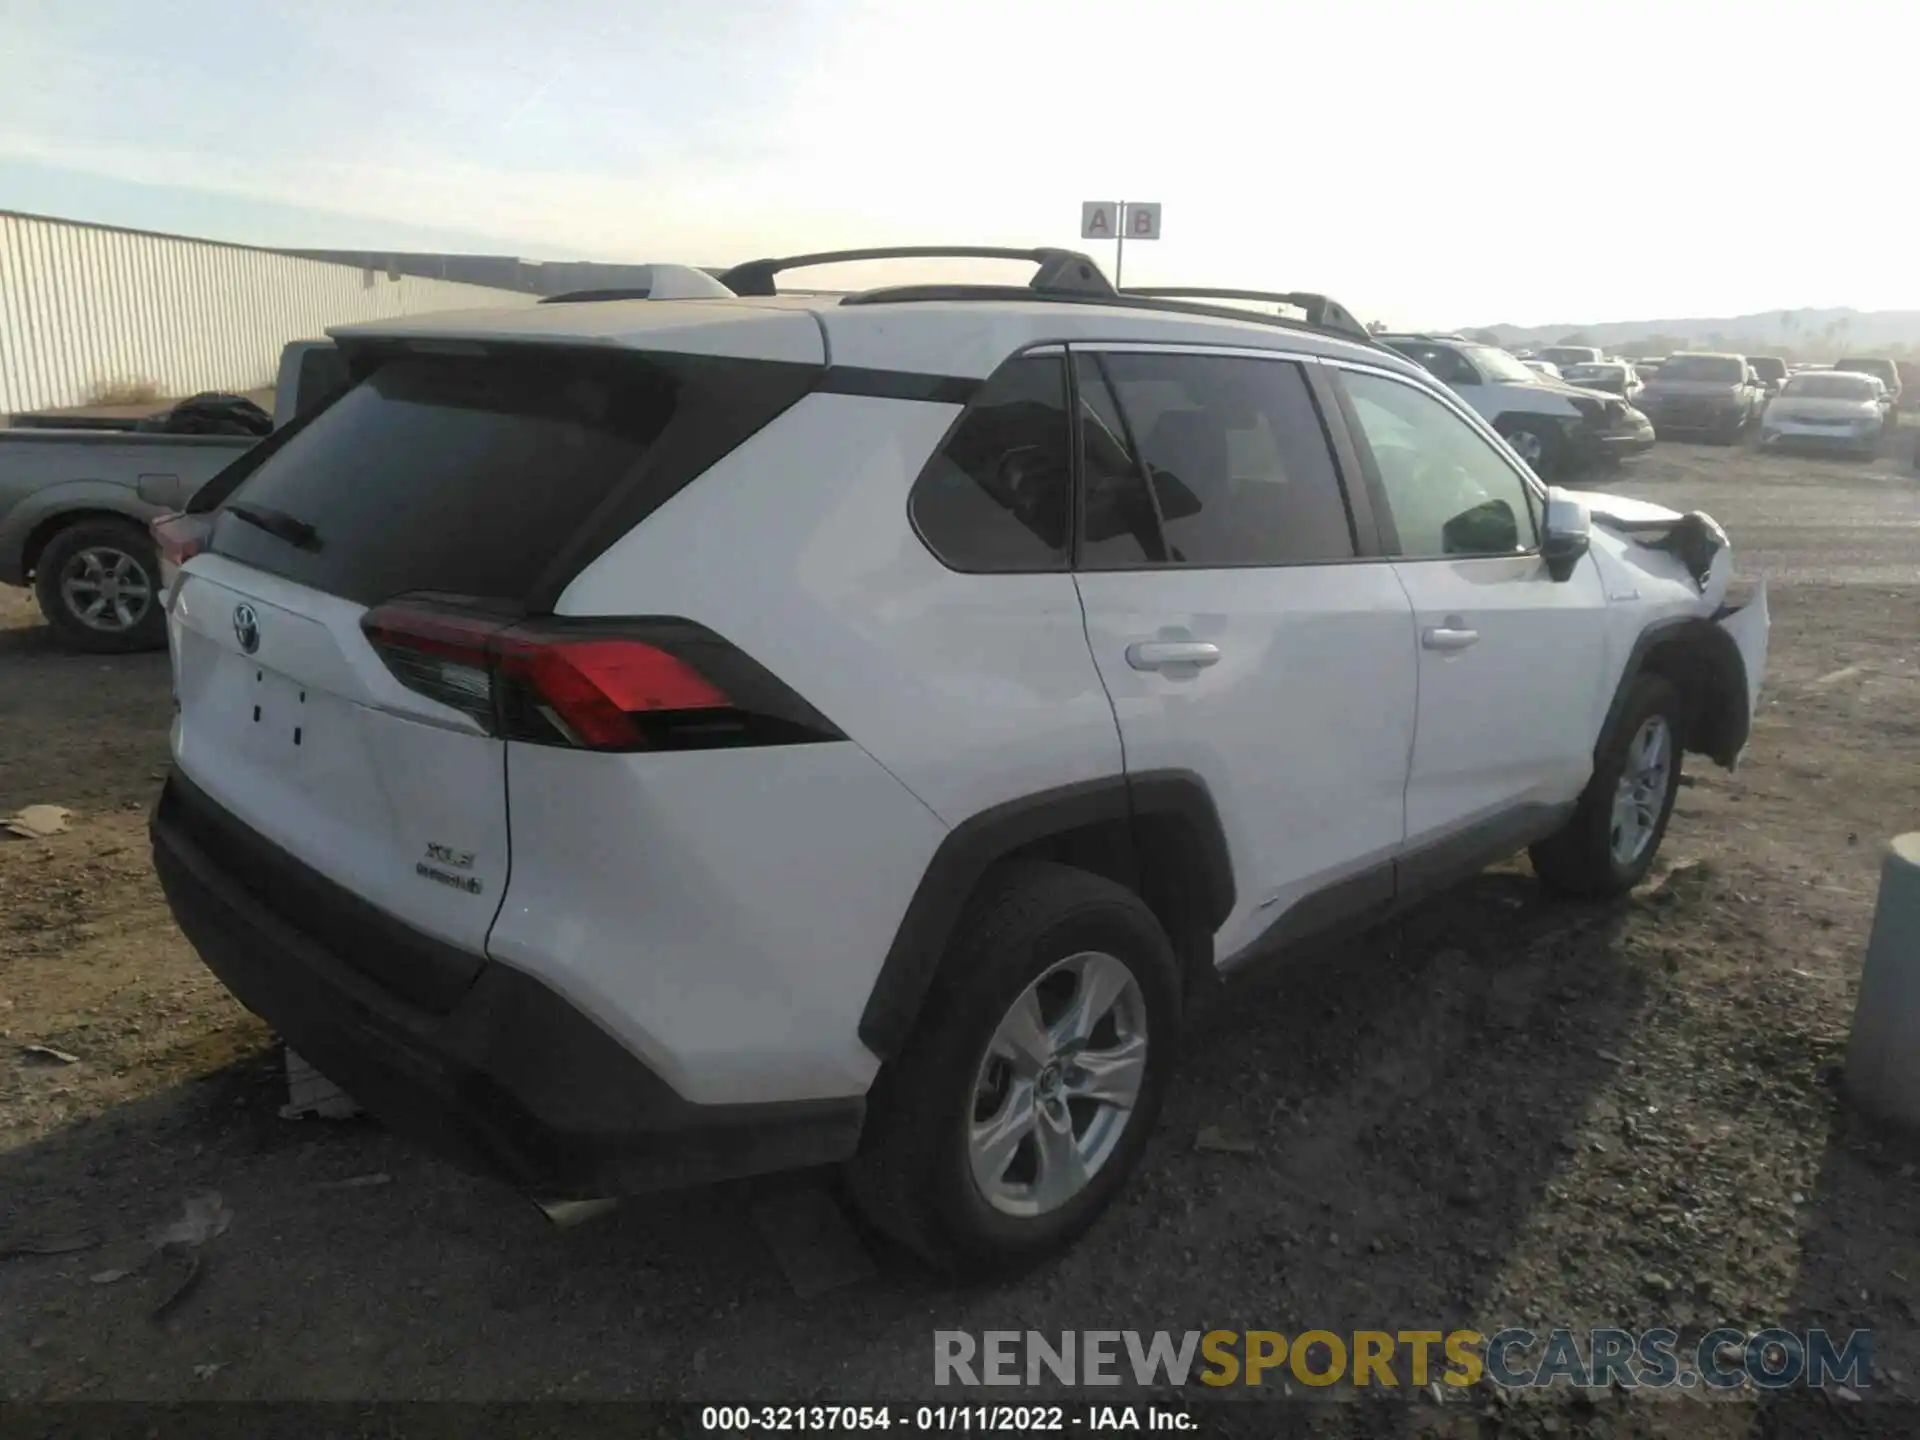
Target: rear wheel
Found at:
1609, 844
1023, 1100
98, 584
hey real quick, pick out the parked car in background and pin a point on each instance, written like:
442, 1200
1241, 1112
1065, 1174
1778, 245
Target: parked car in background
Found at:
1648, 367
1909, 373
1616, 377
1565, 355
1543, 367
1701, 392
75, 505
1771, 372
1829, 409
1557, 428
1881, 368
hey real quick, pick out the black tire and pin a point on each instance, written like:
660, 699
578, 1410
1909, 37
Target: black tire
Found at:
912, 1178
1536, 442
1579, 860
104, 536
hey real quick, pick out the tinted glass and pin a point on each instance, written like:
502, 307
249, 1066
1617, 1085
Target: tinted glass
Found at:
1768, 368
322, 371
1715, 369
1499, 366
1449, 491
455, 475
1830, 385
995, 497
1441, 361
1119, 527
1879, 369
1239, 463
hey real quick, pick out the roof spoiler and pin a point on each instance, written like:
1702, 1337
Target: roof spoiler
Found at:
1061, 272
664, 282
1322, 313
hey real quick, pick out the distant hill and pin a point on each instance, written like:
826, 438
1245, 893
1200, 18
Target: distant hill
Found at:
1802, 334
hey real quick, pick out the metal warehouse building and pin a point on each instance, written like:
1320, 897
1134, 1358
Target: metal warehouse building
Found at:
85, 308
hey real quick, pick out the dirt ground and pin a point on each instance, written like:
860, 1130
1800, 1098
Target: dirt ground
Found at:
1503, 1111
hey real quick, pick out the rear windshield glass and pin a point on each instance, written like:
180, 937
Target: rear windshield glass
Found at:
459, 475
1830, 385
1721, 369
1882, 369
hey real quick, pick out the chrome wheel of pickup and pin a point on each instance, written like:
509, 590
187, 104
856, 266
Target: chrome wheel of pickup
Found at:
106, 589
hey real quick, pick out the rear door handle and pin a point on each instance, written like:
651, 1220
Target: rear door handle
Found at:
1161, 654
1446, 637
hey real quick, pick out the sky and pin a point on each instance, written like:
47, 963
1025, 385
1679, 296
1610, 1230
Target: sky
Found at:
1427, 164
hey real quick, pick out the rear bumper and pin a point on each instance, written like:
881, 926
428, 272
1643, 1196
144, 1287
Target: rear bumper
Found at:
1628, 438
511, 1081
1795, 433
1697, 421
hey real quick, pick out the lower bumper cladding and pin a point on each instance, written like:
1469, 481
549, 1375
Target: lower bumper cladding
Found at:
512, 1081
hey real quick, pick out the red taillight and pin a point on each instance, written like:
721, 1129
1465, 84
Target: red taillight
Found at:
631, 685
179, 536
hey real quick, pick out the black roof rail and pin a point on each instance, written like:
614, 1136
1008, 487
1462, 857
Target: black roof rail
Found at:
1062, 272
1322, 313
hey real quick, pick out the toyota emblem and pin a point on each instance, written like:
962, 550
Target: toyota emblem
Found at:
246, 628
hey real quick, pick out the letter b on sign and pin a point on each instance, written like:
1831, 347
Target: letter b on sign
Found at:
1143, 222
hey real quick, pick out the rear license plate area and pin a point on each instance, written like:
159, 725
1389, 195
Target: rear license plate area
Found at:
278, 721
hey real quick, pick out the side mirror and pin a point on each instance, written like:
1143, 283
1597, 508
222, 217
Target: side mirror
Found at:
1566, 534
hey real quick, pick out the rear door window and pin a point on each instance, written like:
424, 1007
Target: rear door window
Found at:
1238, 462
468, 476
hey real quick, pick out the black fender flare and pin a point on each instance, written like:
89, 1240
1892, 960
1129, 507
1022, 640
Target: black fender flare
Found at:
1170, 801
1713, 677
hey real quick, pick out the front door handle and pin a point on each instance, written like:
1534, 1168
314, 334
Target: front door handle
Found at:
1446, 637
1162, 654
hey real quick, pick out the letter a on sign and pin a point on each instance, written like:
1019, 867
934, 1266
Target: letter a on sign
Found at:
1143, 222
1099, 220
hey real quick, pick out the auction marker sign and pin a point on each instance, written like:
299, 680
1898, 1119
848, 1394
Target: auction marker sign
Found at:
1657, 1359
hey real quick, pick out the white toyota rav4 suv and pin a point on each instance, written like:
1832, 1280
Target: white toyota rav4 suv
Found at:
640, 741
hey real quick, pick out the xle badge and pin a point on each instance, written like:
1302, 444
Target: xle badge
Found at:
439, 857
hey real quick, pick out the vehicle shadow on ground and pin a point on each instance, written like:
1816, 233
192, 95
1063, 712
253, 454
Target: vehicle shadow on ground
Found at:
1379, 1123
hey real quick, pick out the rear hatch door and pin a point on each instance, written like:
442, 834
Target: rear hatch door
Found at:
483, 477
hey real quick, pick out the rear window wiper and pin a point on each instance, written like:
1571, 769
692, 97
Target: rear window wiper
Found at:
279, 524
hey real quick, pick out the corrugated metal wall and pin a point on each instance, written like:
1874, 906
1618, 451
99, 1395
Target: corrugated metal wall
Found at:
83, 307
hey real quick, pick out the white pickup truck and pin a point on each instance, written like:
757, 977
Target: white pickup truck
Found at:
75, 504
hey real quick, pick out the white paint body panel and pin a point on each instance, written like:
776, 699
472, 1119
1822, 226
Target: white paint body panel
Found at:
723, 913
379, 771
1749, 627
972, 689
1510, 720
682, 327
1302, 729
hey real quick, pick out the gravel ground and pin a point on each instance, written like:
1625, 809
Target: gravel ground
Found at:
1499, 1112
